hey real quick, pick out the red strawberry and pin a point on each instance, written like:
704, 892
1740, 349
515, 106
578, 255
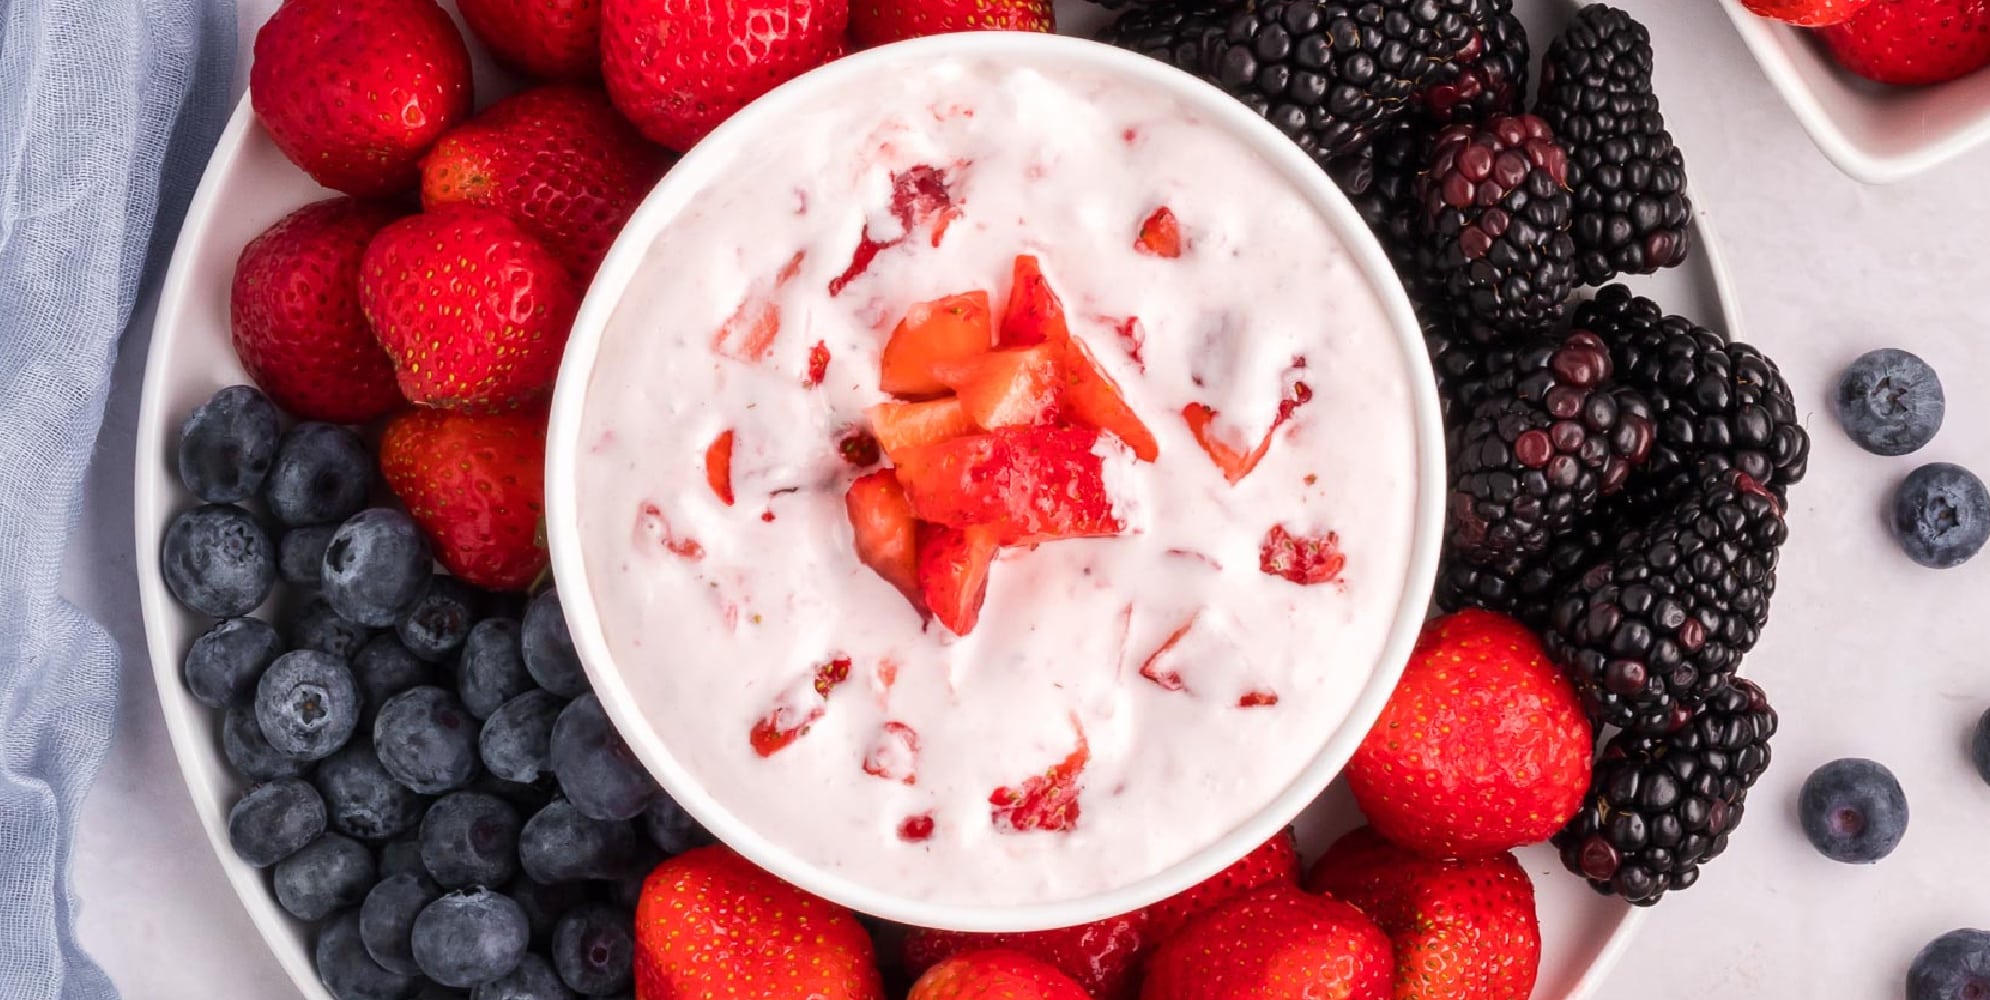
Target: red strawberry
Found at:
1913, 42
953, 566
677, 68
476, 485
1462, 930
713, 926
718, 466
1103, 957
1806, 13
1034, 313
1275, 943
294, 313
1276, 861
1160, 234
1302, 559
1030, 484
885, 535
558, 160
1046, 801
354, 91
995, 975
932, 334
1483, 746
472, 309
548, 39
875, 22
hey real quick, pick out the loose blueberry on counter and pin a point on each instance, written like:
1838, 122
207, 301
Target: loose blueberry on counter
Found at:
387, 919
217, 561
316, 626
1955, 966
1890, 402
1941, 515
532, 980
491, 669
307, 704
549, 648
361, 799
322, 475
227, 445
597, 770
402, 857
376, 566
671, 828
384, 668
594, 949
559, 844
544, 904
426, 740
222, 666
434, 629
470, 838
326, 876
516, 742
1853, 810
469, 937
348, 972
1979, 747
300, 554
274, 821
249, 753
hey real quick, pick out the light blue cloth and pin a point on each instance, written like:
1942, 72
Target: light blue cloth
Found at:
108, 110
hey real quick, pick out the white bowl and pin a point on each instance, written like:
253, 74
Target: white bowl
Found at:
1875, 133
769, 116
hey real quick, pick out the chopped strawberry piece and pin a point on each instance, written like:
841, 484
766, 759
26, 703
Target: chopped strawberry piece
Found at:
797, 710
1034, 314
894, 756
941, 332
953, 572
1235, 462
942, 221
1160, 234
748, 335
651, 524
818, 365
1257, 699
881, 521
1030, 484
859, 448
1047, 801
1013, 388
860, 261
913, 829
1095, 398
903, 426
1152, 669
918, 195
718, 466
1302, 559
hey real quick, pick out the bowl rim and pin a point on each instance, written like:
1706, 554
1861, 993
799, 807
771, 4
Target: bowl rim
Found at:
688, 178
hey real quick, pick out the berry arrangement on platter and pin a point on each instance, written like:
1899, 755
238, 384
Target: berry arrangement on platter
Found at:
1904, 43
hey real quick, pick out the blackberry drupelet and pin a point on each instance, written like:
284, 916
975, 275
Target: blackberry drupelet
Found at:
1494, 223
1488, 77
1629, 178
1660, 807
1179, 34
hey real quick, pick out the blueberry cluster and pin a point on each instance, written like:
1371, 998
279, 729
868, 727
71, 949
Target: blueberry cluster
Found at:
427, 775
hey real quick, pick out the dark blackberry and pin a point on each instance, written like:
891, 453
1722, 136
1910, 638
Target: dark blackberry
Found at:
1494, 238
1524, 587
1656, 629
1488, 77
1629, 179
1380, 180
1660, 807
1179, 34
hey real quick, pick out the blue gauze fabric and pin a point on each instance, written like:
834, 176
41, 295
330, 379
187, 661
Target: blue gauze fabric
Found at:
108, 111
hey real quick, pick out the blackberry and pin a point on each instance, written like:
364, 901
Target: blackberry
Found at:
1380, 180
1179, 34
1488, 77
1524, 587
1629, 179
1656, 629
1660, 807
1494, 216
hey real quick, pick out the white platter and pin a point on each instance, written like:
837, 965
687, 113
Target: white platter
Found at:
248, 185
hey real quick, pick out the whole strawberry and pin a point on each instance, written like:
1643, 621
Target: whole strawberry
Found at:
547, 39
875, 22
1462, 930
475, 484
354, 91
295, 319
1103, 956
677, 68
995, 975
1805, 13
473, 310
557, 160
1483, 746
1276, 943
1276, 861
711, 925
1913, 43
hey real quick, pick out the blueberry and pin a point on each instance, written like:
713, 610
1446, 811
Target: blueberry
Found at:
545, 903
362, 799
322, 475
1853, 810
532, 980
1979, 747
671, 828
222, 666
1941, 515
627, 892
470, 838
402, 857
274, 821
384, 668
387, 919
307, 704
217, 561
594, 949
328, 875
1890, 402
376, 566
1955, 966
439, 622
316, 626
426, 740
300, 554
549, 648
559, 844
249, 753
527, 798
348, 972
516, 739
469, 937
227, 444
491, 670
597, 771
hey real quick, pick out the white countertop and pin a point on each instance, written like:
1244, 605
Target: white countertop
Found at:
1865, 655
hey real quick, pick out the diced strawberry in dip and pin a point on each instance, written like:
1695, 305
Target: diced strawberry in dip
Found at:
1047, 801
1029, 484
894, 755
941, 332
900, 427
1160, 235
1012, 388
798, 709
953, 572
881, 521
718, 467
1034, 314
1302, 559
